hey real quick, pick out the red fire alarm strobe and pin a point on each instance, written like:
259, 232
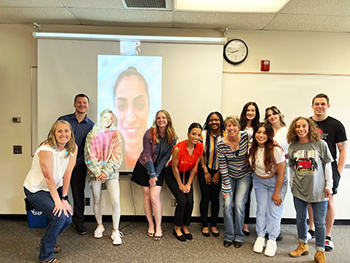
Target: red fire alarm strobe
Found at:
265, 65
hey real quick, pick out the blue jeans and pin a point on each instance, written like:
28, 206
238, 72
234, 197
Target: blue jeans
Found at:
43, 201
268, 215
240, 189
319, 210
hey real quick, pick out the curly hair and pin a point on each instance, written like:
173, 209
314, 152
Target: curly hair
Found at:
269, 157
243, 118
313, 134
170, 130
52, 141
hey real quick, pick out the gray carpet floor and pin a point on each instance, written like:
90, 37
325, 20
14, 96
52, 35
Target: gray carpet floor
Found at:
18, 243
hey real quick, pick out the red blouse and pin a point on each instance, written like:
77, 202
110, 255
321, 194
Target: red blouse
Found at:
187, 162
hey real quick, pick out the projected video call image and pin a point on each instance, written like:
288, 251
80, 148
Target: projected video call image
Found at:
131, 86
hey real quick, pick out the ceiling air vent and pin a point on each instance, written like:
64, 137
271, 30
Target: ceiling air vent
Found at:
146, 4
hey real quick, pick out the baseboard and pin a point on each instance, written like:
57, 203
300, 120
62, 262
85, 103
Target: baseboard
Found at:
141, 218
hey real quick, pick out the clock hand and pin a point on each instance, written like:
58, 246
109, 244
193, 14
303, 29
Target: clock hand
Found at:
234, 51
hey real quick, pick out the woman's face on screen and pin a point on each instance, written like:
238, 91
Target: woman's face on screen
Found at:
131, 110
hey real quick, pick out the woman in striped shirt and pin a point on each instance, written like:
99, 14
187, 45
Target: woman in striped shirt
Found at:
235, 175
208, 173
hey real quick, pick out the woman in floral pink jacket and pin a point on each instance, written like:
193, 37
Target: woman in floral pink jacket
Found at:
103, 157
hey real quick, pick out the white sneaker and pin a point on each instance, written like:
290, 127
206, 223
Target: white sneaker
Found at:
329, 245
99, 231
259, 245
271, 248
309, 236
116, 236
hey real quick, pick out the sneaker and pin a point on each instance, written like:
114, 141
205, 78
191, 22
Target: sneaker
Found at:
114, 233
116, 236
99, 231
271, 248
279, 237
310, 234
320, 257
259, 245
328, 245
237, 244
51, 260
81, 230
302, 249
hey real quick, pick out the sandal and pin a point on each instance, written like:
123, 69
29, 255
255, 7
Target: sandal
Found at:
150, 234
51, 260
157, 238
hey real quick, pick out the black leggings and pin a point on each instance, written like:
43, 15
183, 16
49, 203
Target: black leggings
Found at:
184, 205
210, 193
247, 204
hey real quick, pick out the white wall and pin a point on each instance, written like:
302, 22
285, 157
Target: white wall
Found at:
289, 52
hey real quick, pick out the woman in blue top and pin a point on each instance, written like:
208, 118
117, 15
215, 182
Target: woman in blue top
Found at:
158, 142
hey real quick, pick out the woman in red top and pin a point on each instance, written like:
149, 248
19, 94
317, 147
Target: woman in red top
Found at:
179, 176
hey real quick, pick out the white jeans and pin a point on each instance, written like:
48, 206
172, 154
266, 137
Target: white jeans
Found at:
114, 193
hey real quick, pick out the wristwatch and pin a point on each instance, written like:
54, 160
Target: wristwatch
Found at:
64, 197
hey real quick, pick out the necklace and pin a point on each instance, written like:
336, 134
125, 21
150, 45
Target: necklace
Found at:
260, 155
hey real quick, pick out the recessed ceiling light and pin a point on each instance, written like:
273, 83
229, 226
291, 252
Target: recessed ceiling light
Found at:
231, 6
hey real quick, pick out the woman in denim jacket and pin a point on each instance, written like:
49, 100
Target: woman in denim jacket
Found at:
158, 142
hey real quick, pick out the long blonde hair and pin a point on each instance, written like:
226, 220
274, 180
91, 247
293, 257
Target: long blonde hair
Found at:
170, 131
98, 126
52, 141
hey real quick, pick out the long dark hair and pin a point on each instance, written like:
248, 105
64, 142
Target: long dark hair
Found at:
269, 157
243, 118
207, 128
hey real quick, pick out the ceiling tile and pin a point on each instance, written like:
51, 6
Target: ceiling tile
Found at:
90, 22
125, 16
39, 15
310, 23
94, 3
321, 7
31, 3
221, 20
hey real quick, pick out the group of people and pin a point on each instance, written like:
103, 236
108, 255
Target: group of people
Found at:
231, 156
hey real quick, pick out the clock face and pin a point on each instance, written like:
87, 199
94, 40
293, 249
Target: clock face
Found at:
235, 51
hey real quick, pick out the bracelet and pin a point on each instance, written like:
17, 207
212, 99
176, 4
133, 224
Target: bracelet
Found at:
64, 197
